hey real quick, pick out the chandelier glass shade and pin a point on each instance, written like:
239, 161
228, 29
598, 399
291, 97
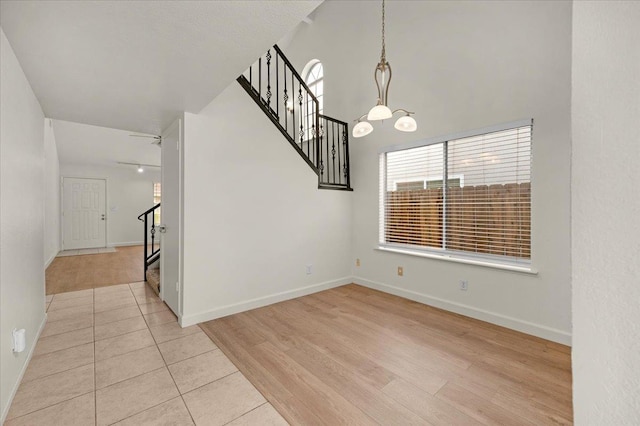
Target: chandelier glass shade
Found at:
381, 111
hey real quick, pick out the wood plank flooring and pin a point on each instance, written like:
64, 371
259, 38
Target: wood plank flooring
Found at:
352, 355
72, 273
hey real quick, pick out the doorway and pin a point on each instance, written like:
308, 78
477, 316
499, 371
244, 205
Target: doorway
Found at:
84, 213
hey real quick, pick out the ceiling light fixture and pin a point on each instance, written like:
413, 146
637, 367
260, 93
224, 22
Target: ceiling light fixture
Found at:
381, 111
139, 166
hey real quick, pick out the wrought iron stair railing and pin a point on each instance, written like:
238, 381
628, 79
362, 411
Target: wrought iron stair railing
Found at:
323, 142
151, 225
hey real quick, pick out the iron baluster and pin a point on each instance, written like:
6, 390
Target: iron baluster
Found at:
301, 120
320, 150
327, 157
339, 163
333, 150
344, 151
149, 258
269, 77
293, 109
145, 247
312, 128
306, 119
346, 156
260, 77
286, 98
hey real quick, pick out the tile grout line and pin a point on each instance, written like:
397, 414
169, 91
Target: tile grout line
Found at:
253, 409
191, 357
170, 375
48, 406
57, 372
217, 380
243, 375
169, 371
59, 402
64, 332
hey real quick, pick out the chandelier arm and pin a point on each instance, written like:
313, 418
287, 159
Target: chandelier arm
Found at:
403, 110
388, 83
361, 117
375, 78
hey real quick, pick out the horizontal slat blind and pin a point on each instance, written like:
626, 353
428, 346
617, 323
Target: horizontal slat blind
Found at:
414, 213
485, 209
491, 212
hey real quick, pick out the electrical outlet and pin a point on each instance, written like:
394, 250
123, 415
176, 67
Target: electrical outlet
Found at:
464, 285
357, 262
400, 271
309, 269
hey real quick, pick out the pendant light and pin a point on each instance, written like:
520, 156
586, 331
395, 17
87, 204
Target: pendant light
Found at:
381, 111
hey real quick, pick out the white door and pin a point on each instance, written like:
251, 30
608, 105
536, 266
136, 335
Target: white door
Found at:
83, 214
171, 171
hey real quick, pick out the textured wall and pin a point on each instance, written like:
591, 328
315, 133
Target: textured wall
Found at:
21, 219
248, 241
51, 194
606, 212
460, 66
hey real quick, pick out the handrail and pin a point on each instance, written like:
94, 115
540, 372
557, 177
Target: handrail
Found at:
295, 72
336, 134
273, 83
153, 256
149, 211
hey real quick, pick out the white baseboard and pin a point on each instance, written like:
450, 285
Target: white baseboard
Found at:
527, 327
223, 311
128, 243
48, 262
5, 410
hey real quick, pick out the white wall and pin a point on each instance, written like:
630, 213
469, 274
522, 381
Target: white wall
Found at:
253, 216
129, 193
21, 219
605, 212
460, 66
51, 195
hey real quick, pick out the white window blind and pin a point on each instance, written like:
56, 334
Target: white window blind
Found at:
484, 210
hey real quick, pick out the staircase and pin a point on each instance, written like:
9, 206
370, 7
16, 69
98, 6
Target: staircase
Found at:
151, 247
322, 142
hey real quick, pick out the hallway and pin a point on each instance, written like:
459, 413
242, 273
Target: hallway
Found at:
116, 355
73, 273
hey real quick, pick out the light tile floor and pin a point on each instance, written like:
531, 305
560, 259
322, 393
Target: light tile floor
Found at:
116, 355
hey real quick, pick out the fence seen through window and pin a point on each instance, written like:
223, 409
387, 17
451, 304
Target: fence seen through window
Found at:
485, 207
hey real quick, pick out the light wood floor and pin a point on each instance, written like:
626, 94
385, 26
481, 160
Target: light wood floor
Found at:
358, 356
72, 273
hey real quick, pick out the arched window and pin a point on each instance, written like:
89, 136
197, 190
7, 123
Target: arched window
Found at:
314, 79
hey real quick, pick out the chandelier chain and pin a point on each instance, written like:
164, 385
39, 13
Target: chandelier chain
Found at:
383, 55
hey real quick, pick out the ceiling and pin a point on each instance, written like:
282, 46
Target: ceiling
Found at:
138, 65
86, 144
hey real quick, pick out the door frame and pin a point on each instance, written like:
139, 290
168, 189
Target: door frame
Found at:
106, 209
179, 124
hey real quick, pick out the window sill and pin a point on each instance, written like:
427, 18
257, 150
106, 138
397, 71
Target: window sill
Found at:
450, 258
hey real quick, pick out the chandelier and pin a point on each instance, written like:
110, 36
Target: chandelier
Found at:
381, 111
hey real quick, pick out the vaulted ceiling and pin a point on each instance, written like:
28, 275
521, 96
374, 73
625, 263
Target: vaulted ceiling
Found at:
138, 65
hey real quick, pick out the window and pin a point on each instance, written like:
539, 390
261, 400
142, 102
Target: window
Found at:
484, 210
314, 80
157, 192
313, 77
